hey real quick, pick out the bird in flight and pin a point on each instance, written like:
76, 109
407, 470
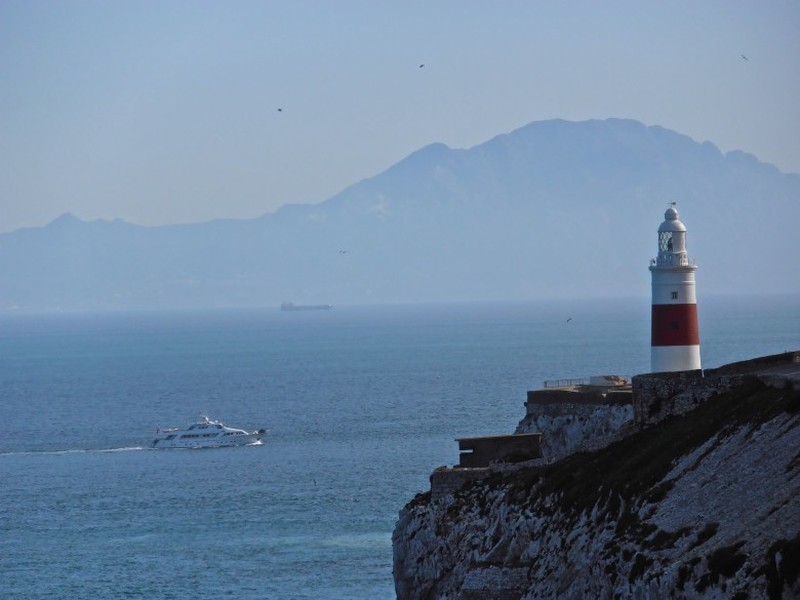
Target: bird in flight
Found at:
344, 251
422, 65
280, 110
744, 57
570, 319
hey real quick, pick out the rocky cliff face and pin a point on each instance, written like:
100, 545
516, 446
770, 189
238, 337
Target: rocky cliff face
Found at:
701, 505
569, 428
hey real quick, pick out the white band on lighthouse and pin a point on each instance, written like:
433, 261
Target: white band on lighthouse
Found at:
674, 358
675, 339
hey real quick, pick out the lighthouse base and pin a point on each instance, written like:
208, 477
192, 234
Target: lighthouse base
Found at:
674, 358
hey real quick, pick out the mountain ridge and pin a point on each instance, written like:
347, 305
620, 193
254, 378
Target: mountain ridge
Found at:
527, 214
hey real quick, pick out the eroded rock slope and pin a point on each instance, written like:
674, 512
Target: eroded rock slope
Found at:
703, 505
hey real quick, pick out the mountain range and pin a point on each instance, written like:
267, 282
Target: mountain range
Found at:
554, 209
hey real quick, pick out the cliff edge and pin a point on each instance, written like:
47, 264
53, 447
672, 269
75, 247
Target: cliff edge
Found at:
703, 504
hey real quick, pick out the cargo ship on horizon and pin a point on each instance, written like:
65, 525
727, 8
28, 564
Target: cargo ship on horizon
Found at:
288, 306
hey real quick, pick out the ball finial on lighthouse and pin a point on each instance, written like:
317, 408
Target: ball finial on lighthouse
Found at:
675, 341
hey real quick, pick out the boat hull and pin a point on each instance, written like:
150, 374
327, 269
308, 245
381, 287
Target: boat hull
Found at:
239, 440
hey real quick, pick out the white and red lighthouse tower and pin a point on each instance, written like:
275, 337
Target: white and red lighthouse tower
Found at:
675, 341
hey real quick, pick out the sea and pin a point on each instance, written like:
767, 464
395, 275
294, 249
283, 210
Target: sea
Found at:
362, 404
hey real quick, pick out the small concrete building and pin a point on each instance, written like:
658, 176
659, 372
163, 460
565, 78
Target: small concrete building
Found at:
476, 452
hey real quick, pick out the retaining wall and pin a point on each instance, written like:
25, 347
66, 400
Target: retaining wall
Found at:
446, 481
657, 396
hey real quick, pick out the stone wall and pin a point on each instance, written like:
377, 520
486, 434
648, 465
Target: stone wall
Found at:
571, 397
661, 395
446, 481
755, 364
657, 396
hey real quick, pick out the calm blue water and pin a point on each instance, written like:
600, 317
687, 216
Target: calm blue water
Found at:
362, 402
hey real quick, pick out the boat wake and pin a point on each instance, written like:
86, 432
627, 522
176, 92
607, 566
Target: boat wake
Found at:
72, 451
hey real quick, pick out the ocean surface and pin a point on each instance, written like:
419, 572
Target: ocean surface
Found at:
362, 404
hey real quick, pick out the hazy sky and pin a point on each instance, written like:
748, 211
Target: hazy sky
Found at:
168, 111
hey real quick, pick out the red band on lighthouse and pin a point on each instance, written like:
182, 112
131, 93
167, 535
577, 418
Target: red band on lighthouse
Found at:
674, 325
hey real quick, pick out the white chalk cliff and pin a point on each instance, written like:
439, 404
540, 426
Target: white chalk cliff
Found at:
701, 505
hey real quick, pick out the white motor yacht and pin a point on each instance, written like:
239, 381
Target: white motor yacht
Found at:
206, 433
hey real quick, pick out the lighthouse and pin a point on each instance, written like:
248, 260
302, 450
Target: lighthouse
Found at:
675, 338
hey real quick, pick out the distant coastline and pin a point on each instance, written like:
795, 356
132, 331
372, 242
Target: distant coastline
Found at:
289, 306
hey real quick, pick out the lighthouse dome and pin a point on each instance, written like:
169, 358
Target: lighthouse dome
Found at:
671, 221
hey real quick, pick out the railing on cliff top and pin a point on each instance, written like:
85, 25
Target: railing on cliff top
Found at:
560, 383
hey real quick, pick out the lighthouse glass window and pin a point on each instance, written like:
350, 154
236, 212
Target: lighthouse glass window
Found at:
665, 241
